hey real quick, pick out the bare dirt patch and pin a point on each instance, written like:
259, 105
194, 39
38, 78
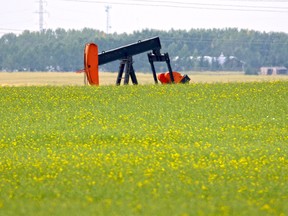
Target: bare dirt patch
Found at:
72, 78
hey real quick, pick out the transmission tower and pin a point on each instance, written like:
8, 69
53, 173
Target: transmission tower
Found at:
41, 15
107, 10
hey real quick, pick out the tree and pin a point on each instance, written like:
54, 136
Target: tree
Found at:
62, 50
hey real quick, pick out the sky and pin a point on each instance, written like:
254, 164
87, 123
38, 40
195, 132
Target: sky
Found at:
136, 15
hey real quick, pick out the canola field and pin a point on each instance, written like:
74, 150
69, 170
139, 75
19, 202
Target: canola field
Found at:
197, 149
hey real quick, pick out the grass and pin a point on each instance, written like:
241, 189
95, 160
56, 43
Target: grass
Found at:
64, 78
199, 149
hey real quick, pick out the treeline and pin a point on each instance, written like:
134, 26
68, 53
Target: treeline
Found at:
194, 50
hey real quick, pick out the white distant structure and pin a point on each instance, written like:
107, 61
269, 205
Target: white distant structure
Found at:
209, 59
273, 71
221, 59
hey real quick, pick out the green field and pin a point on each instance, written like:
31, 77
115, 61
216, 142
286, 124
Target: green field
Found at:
197, 149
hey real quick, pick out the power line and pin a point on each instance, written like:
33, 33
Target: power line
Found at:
210, 4
200, 40
190, 5
226, 41
8, 29
272, 1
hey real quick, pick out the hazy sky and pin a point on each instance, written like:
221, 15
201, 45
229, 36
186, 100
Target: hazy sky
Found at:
130, 15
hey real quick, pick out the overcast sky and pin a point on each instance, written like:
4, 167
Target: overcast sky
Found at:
131, 15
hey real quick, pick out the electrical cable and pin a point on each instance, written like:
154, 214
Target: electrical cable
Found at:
190, 5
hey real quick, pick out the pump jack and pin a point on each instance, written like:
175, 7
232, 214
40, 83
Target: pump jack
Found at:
125, 53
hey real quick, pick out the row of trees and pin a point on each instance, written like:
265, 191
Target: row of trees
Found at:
197, 49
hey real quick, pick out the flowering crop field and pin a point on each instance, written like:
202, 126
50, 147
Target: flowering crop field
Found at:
197, 149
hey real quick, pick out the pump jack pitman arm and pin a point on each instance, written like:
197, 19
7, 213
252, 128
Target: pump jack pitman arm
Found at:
92, 60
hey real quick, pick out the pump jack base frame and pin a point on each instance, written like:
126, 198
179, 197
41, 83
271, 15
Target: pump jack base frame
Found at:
127, 64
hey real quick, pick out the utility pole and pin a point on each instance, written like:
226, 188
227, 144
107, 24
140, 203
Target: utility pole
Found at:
107, 10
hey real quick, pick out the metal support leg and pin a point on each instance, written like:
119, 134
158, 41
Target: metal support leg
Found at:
126, 76
127, 71
120, 72
133, 75
167, 59
153, 71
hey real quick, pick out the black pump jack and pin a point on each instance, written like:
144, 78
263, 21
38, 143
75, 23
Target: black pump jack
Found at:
125, 55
